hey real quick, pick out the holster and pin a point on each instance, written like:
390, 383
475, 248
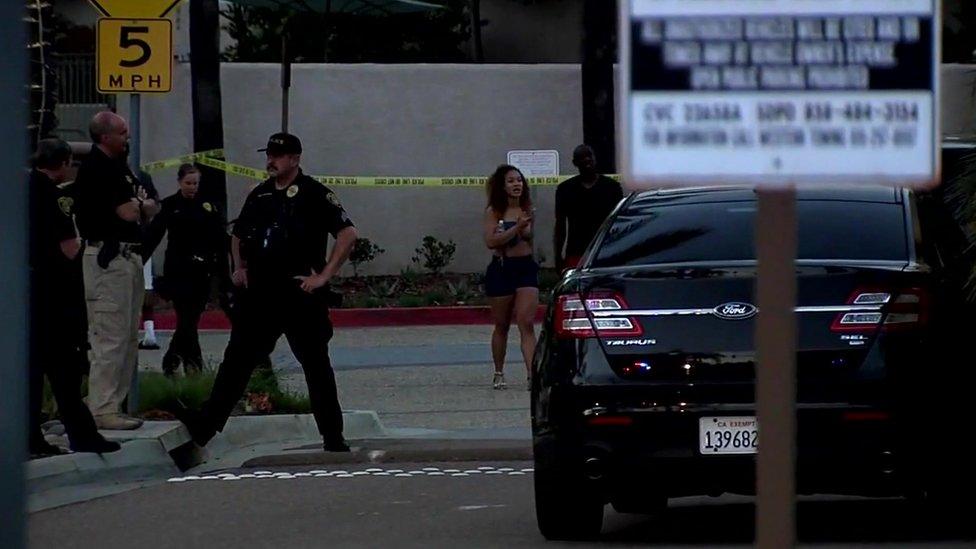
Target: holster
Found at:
108, 252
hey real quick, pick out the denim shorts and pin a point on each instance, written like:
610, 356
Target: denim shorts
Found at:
505, 275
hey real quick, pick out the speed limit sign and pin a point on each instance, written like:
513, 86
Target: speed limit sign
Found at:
135, 55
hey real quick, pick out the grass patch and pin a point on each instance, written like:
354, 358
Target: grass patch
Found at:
158, 392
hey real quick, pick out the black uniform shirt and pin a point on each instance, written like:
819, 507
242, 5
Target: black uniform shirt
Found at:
55, 280
284, 233
585, 209
103, 184
196, 234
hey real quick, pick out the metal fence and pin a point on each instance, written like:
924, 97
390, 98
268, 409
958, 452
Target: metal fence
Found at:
77, 80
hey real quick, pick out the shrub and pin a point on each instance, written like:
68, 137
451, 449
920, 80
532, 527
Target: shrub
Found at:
363, 251
410, 301
460, 291
434, 255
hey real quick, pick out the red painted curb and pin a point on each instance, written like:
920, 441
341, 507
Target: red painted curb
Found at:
366, 318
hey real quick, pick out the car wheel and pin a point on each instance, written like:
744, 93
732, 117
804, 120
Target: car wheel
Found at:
565, 508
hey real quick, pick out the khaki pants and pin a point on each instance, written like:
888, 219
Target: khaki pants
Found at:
114, 298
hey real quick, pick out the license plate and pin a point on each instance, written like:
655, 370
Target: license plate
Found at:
728, 435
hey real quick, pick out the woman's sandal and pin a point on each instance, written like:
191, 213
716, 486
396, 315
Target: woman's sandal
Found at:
498, 381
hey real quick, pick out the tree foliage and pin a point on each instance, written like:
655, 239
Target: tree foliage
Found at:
427, 37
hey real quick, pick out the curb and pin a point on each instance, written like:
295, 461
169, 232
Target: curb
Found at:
159, 450
367, 318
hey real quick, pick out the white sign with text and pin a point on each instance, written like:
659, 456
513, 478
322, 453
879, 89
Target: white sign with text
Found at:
779, 92
534, 163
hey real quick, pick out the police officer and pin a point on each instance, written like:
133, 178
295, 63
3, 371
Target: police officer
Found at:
279, 250
57, 298
193, 257
110, 210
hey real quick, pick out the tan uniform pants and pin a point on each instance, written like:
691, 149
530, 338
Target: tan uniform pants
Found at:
114, 298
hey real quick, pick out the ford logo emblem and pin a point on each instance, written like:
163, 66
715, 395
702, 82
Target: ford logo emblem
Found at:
735, 311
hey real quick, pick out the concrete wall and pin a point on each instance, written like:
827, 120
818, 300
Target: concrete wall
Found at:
415, 120
959, 100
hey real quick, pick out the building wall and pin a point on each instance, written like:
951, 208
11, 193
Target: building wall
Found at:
389, 120
415, 120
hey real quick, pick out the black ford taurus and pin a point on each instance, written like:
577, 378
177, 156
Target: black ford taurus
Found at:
644, 376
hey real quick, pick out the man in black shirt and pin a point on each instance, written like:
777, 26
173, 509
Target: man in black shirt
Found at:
279, 251
111, 207
583, 202
58, 327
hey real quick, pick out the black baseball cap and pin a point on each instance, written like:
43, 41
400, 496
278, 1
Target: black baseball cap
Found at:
283, 143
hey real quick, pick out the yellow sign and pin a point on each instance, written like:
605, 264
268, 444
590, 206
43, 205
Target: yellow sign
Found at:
135, 55
134, 8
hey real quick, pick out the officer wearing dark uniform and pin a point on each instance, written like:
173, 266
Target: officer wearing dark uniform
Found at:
279, 248
58, 327
111, 208
194, 253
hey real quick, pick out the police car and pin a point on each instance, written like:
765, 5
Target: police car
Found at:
644, 376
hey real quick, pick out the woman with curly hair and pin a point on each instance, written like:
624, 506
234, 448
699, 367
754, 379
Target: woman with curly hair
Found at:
512, 277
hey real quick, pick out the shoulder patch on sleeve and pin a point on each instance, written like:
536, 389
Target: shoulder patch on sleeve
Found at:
331, 196
66, 203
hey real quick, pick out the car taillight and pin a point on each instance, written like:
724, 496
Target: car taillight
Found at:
897, 310
572, 320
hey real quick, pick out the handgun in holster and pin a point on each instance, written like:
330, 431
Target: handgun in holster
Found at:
108, 252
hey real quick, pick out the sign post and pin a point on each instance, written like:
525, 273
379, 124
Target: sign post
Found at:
779, 95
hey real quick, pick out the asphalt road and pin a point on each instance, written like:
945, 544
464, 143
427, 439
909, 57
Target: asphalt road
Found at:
363, 505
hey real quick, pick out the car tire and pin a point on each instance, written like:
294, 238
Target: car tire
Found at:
565, 507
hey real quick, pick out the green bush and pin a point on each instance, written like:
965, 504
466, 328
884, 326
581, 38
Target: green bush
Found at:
437, 298
434, 255
409, 276
411, 301
363, 251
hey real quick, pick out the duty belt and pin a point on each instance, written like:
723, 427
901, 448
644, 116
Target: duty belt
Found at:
127, 249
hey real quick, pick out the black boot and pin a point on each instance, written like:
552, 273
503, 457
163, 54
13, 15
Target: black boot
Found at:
96, 445
40, 448
335, 444
200, 431
171, 363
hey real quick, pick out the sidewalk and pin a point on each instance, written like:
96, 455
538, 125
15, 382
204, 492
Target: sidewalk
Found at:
430, 383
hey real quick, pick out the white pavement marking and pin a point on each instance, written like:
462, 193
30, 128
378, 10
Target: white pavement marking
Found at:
477, 507
372, 471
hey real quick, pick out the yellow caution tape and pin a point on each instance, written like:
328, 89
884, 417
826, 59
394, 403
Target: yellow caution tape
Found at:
185, 159
209, 159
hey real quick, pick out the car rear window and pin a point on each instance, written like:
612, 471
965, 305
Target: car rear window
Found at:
723, 231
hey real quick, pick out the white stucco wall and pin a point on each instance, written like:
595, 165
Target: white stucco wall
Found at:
409, 120
415, 120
